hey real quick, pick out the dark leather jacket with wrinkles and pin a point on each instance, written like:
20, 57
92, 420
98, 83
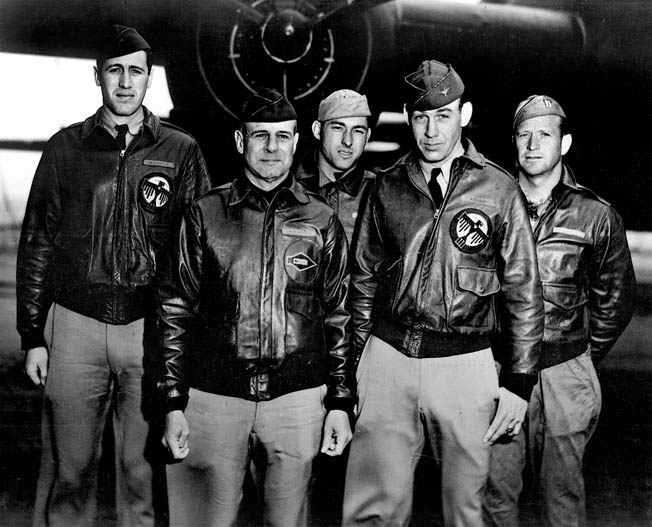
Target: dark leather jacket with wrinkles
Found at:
255, 304
343, 195
434, 284
97, 221
586, 272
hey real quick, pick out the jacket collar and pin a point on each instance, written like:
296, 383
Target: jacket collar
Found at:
471, 155
242, 188
566, 181
411, 163
308, 173
93, 124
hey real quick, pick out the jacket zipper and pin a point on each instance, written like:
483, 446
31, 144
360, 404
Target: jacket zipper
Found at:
539, 225
431, 245
120, 227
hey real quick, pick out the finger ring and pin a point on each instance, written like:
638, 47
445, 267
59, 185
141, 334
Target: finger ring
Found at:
509, 430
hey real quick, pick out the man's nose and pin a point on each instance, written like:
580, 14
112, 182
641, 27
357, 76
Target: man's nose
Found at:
272, 143
347, 138
432, 129
125, 80
533, 143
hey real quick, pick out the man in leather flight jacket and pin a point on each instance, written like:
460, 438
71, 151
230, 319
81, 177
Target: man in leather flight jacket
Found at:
588, 290
444, 257
105, 196
333, 169
255, 334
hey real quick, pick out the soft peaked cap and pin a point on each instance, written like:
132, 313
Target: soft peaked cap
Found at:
267, 106
343, 103
437, 84
536, 106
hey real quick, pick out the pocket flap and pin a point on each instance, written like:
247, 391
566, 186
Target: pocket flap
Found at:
563, 296
482, 282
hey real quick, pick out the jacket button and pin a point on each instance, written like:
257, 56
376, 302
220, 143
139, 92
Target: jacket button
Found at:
481, 289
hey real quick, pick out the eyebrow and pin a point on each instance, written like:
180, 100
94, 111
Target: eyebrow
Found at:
334, 121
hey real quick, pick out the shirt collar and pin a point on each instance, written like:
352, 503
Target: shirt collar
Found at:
242, 188
149, 123
134, 121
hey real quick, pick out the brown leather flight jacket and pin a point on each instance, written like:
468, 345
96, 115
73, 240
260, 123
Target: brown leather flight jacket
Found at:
436, 283
586, 272
254, 306
98, 219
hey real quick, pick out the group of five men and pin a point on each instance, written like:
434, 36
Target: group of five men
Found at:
288, 305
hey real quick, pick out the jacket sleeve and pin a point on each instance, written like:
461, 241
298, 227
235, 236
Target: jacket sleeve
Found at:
522, 301
341, 394
178, 291
367, 253
611, 285
34, 291
195, 179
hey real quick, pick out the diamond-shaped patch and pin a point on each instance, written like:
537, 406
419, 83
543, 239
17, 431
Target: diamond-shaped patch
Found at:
300, 261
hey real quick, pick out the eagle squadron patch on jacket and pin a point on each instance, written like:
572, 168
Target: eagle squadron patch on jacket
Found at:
155, 192
470, 230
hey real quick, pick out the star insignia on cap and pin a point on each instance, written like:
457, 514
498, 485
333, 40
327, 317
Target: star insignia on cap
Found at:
445, 91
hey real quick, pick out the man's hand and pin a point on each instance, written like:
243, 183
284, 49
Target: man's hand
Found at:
176, 434
36, 365
337, 433
509, 416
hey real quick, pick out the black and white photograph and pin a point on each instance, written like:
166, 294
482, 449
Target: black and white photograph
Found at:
325, 263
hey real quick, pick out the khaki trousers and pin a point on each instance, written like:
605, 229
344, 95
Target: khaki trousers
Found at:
402, 401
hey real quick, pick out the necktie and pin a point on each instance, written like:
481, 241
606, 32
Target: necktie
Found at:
122, 130
435, 189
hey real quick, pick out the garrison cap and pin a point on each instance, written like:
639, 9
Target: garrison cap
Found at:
536, 106
121, 40
343, 103
267, 106
437, 85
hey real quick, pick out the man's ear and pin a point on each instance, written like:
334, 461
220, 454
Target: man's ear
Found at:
316, 130
97, 76
467, 112
566, 142
296, 141
239, 141
406, 115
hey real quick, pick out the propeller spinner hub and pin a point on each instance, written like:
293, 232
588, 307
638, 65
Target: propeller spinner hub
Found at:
287, 36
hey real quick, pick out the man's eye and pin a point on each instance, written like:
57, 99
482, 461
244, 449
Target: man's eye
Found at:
260, 136
284, 137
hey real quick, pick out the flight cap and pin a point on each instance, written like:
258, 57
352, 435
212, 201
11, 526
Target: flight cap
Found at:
267, 106
119, 41
343, 103
437, 84
536, 106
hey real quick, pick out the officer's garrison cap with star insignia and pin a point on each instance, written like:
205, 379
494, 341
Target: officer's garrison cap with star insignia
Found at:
437, 84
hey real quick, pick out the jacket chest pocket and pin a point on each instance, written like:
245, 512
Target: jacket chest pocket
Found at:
564, 307
473, 298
